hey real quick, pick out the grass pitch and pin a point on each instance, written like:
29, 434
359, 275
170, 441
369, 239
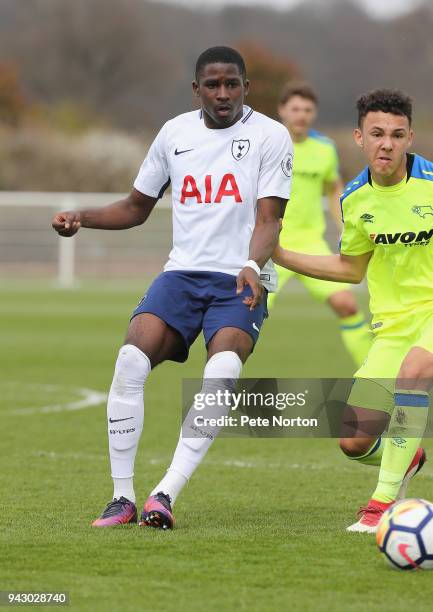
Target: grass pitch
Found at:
259, 527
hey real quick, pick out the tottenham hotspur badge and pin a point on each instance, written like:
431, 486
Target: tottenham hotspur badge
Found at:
287, 165
240, 148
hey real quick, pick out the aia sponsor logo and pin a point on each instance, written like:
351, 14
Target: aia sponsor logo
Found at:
421, 238
214, 190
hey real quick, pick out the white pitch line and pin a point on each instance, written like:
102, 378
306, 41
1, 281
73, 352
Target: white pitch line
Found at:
225, 463
68, 456
232, 463
163, 460
89, 398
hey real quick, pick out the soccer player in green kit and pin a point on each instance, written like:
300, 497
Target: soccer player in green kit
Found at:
315, 173
388, 235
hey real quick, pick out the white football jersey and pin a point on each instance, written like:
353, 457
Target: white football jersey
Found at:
217, 176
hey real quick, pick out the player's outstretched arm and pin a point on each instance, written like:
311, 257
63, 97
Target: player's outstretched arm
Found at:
339, 268
123, 214
262, 244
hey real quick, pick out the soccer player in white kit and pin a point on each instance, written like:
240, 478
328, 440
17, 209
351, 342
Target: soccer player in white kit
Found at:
230, 171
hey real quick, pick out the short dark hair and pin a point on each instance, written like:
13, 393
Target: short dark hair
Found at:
297, 88
386, 100
220, 55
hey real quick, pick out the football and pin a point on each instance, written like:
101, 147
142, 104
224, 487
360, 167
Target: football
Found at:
405, 534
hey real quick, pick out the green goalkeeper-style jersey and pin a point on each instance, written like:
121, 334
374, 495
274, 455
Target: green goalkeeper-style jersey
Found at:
315, 163
396, 223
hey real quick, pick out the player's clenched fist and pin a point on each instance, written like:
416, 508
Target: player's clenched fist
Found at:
67, 223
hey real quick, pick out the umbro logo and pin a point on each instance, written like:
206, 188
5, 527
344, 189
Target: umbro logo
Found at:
176, 152
118, 420
367, 218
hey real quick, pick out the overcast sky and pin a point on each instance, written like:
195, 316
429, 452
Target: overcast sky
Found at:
377, 8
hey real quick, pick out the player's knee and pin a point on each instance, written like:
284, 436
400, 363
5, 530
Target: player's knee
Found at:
416, 370
409, 374
354, 447
225, 364
131, 359
343, 303
132, 369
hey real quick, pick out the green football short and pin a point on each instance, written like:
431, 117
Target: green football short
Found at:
375, 380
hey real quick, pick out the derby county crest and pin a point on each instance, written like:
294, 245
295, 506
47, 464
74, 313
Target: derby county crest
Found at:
240, 148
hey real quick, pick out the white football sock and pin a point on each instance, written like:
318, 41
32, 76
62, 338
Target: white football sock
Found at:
125, 414
124, 487
221, 373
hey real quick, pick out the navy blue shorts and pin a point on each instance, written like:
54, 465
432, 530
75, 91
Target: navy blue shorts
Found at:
194, 301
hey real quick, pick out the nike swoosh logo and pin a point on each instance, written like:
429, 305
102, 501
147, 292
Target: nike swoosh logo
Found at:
118, 420
255, 327
402, 548
176, 152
